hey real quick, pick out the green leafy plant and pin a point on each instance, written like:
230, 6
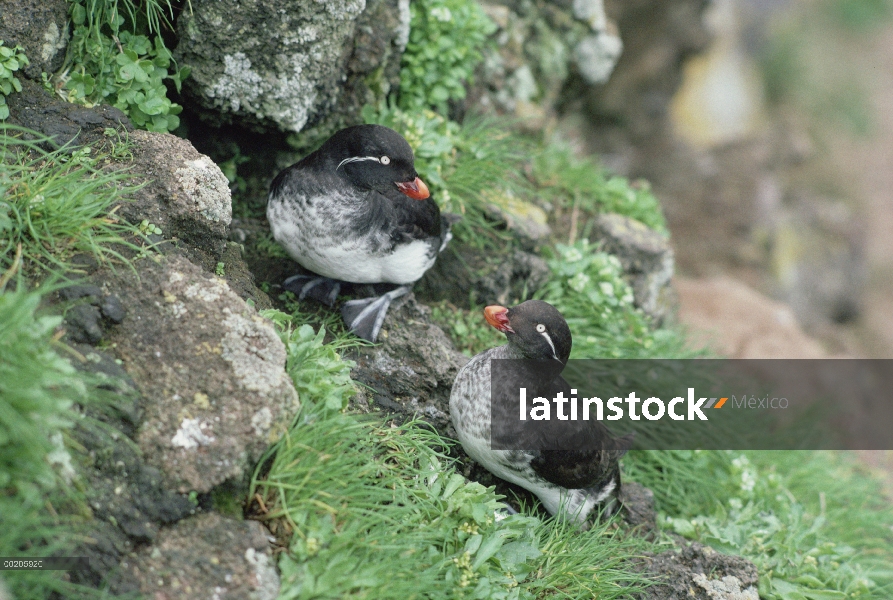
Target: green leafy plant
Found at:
11, 60
316, 368
467, 328
588, 288
55, 204
446, 38
109, 62
583, 184
816, 524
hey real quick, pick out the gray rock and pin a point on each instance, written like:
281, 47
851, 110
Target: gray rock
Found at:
699, 572
462, 274
63, 122
204, 557
40, 27
82, 324
290, 64
527, 221
638, 506
647, 260
540, 47
411, 371
112, 309
77, 291
185, 194
817, 256
211, 370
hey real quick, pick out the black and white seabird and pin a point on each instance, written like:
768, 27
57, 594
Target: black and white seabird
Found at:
571, 480
356, 211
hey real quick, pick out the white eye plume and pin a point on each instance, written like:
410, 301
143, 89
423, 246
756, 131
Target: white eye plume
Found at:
354, 159
541, 329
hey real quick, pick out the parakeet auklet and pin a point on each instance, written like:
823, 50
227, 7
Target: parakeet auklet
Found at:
573, 480
356, 211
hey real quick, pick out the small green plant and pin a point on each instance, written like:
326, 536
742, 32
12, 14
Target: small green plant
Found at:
467, 328
583, 184
816, 524
446, 39
55, 204
11, 60
316, 368
108, 62
588, 288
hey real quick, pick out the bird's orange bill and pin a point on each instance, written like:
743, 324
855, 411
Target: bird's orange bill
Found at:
417, 190
497, 316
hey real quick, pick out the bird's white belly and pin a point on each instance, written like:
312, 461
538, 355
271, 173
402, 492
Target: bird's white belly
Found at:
349, 260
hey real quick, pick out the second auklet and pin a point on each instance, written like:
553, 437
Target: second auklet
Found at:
356, 211
574, 479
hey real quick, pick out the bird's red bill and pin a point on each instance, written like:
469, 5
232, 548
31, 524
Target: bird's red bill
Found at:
497, 316
417, 190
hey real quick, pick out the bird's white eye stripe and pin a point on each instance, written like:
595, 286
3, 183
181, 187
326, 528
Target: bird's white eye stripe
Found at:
540, 328
353, 159
385, 160
548, 339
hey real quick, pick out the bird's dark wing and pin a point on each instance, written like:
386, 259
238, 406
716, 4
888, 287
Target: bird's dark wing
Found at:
573, 454
409, 219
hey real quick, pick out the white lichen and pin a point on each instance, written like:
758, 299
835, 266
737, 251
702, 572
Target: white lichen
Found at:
206, 185
596, 55
190, 435
265, 574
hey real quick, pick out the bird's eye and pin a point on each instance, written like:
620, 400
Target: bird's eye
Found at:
385, 160
540, 328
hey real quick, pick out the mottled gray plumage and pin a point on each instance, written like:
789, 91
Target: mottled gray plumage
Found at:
535, 330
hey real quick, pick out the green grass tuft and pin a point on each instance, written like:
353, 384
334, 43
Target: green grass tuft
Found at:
582, 183
38, 394
815, 524
56, 204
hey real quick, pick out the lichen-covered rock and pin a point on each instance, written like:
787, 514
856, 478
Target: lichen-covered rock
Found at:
211, 369
186, 195
527, 221
817, 258
647, 260
699, 572
208, 556
40, 27
290, 64
541, 45
411, 372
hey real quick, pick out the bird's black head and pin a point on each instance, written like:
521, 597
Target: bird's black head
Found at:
374, 157
535, 328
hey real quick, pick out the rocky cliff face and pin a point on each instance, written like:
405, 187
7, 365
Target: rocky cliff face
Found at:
200, 375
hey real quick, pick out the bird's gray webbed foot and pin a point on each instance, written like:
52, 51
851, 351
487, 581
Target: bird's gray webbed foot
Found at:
321, 289
365, 316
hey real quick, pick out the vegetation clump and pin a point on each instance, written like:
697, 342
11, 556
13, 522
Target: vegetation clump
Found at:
117, 56
11, 60
446, 38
